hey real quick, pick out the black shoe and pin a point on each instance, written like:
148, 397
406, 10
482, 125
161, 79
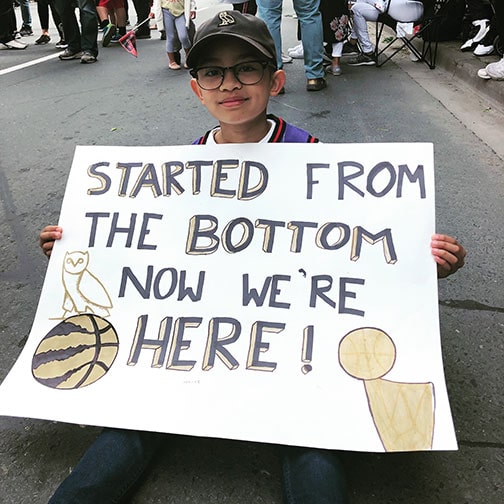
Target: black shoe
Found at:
366, 59
43, 39
69, 54
26, 31
61, 44
163, 34
316, 84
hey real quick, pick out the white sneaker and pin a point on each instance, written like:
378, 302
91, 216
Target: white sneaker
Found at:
496, 70
15, 44
483, 50
296, 52
483, 74
478, 33
286, 58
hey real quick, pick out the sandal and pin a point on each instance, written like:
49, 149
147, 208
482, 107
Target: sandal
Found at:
173, 65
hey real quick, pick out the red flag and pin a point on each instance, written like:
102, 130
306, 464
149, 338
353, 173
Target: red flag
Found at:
128, 41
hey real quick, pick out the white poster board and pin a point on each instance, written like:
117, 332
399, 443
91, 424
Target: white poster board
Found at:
277, 293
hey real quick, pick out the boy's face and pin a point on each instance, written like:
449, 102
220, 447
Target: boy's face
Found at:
234, 103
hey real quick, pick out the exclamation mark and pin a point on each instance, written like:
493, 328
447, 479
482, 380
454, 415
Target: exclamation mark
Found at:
306, 354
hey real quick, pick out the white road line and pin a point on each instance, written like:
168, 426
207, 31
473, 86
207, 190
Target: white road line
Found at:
29, 64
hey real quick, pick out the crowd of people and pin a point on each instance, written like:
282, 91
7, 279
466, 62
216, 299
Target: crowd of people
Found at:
328, 30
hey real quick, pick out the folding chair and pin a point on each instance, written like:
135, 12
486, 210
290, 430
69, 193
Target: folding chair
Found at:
425, 22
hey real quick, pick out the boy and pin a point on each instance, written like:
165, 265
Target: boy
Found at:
233, 64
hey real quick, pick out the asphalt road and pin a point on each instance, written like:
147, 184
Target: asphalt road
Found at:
49, 108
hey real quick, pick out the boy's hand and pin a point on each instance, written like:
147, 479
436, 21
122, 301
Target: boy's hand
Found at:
47, 237
448, 254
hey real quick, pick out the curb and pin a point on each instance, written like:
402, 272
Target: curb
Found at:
465, 66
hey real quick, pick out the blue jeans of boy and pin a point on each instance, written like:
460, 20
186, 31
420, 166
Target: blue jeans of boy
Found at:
310, 19
116, 460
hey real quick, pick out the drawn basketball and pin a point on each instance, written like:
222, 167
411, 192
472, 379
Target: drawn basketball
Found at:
75, 353
367, 353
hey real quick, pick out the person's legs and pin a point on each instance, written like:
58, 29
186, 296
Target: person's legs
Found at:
312, 476
70, 25
89, 26
363, 11
270, 11
142, 8
312, 37
26, 14
109, 468
173, 44
158, 17
43, 15
183, 34
6, 29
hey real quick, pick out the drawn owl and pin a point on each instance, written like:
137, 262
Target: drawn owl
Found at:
84, 293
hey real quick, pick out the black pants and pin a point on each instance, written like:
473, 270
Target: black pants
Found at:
7, 21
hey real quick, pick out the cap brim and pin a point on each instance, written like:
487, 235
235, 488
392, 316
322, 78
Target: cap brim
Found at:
196, 50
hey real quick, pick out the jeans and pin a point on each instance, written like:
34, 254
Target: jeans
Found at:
312, 39
176, 30
313, 476
87, 40
116, 460
26, 13
109, 468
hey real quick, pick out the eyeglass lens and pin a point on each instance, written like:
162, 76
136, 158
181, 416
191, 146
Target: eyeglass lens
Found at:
247, 73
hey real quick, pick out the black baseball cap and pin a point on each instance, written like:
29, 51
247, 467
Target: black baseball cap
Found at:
246, 27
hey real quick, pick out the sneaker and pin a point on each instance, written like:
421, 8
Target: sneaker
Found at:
334, 70
61, 44
476, 35
43, 39
88, 57
115, 39
296, 52
286, 58
108, 32
15, 44
363, 59
496, 70
26, 31
316, 84
350, 50
295, 48
68, 54
483, 50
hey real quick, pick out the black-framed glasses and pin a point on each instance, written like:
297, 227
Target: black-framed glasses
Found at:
247, 73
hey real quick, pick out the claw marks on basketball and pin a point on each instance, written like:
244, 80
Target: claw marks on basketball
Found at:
76, 352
